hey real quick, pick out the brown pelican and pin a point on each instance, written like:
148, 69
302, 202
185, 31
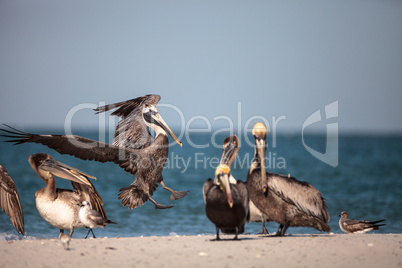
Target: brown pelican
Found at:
91, 218
10, 201
60, 207
133, 148
281, 198
226, 203
230, 151
355, 226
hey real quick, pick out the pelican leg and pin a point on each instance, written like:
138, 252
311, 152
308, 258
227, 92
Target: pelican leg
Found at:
217, 235
157, 205
264, 230
237, 232
71, 231
284, 230
279, 232
175, 194
61, 232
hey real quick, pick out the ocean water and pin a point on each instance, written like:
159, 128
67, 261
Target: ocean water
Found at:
367, 183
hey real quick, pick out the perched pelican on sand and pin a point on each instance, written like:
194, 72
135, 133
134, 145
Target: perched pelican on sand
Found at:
60, 207
226, 203
133, 148
283, 199
10, 201
355, 226
91, 218
230, 151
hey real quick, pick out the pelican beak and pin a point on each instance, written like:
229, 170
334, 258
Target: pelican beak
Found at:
225, 187
66, 172
260, 143
158, 120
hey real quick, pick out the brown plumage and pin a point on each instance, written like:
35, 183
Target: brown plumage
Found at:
10, 201
60, 207
133, 148
283, 199
355, 226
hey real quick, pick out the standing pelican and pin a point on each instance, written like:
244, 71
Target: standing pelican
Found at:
281, 198
10, 201
91, 218
355, 226
133, 148
230, 151
226, 202
60, 207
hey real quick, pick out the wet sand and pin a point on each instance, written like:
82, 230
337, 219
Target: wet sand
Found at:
336, 250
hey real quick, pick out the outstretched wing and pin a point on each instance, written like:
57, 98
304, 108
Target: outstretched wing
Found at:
10, 201
80, 147
77, 146
302, 194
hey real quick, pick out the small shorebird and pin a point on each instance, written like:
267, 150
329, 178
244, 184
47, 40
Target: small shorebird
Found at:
133, 148
10, 201
91, 218
226, 202
355, 226
283, 199
59, 206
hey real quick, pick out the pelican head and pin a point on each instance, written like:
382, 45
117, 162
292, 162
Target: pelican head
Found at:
222, 174
230, 150
260, 133
46, 167
155, 121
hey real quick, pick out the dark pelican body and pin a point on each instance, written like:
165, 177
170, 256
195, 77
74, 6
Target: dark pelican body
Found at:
283, 199
133, 148
91, 218
60, 207
226, 202
10, 201
350, 226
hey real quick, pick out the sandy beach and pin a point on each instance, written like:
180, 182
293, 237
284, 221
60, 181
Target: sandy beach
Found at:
335, 250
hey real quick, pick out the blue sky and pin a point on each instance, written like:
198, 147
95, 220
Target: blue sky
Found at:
273, 59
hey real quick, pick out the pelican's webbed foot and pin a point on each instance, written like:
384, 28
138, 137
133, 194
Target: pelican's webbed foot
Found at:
264, 230
157, 205
175, 194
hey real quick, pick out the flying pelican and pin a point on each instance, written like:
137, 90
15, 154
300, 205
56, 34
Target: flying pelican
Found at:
10, 201
226, 203
91, 218
230, 151
60, 207
133, 148
355, 226
283, 199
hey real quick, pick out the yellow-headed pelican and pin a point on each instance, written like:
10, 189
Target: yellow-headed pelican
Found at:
226, 201
283, 199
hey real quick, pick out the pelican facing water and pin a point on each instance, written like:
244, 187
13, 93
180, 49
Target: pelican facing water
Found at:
60, 207
226, 202
10, 201
283, 199
133, 148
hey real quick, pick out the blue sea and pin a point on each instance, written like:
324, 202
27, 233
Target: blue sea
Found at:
367, 182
